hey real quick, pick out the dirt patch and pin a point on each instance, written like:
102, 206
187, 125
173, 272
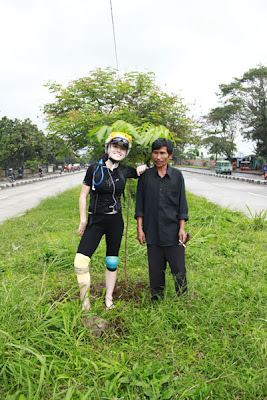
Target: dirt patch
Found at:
134, 291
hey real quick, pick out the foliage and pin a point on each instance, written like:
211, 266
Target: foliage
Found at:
22, 144
220, 139
143, 137
247, 96
20, 141
58, 151
210, 343
103, 98
258, 220
218, 145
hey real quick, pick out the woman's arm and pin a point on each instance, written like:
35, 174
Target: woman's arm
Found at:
83, 209
141, 169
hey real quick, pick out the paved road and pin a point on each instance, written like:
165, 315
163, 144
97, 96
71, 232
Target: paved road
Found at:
228, 193
225, 192
16, 200
237, 173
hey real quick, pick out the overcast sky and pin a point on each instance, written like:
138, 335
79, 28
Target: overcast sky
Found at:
191, 45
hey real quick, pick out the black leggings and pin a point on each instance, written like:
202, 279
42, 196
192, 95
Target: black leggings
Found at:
110, 225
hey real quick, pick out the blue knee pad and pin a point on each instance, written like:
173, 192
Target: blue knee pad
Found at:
112, 262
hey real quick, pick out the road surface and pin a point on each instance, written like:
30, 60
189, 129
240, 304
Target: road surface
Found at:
232, 194
16, 200
225, 192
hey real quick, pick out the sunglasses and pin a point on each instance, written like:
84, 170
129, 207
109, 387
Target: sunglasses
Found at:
121, 142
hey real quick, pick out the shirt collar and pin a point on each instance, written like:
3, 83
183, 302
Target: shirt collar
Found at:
169, 171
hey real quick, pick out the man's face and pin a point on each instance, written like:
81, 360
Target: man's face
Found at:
161, 157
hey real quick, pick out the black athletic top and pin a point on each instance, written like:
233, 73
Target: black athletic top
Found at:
106, 196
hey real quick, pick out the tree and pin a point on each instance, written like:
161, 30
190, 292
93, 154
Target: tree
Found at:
248, 96
219, 146
143, 137
20, 141
103, 98
220, 139
58, 152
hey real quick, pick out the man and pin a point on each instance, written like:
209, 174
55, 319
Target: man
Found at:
161, 213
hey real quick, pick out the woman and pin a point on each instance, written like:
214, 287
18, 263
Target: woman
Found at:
105, 181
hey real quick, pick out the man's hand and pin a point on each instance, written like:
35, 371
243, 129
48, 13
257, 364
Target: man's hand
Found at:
182, 237
81, 228
141, 236
141, 169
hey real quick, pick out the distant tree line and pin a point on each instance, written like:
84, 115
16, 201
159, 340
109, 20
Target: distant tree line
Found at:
81, 113
23, 145
243, 110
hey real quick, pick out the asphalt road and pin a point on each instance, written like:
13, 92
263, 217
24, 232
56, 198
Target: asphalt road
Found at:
225, 192
16, 200
232, 194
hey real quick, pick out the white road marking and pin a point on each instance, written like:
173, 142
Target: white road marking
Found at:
217, 184
39, 187
5, 197
259, 195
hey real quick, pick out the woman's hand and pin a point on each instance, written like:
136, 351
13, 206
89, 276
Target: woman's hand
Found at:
81, 228
141, 169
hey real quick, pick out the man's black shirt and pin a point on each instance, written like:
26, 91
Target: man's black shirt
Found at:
162, 203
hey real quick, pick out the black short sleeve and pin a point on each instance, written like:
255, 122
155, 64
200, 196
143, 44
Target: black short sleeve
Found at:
130, 172
89, 176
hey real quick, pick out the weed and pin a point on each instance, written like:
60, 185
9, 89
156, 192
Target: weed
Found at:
258, 220
209, 344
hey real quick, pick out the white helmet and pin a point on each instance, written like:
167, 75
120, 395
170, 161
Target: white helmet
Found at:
120, 138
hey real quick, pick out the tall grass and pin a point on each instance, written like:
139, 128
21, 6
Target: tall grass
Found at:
209, 344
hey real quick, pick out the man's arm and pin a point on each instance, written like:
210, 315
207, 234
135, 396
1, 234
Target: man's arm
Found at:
183, 213
140, 233
139, 211
182, 234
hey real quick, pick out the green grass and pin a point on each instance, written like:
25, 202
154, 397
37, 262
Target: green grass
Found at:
209, 344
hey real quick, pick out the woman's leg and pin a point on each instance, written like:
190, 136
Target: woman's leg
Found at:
113, 240
88, 244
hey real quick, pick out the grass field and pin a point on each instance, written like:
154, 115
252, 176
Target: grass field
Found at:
209, 344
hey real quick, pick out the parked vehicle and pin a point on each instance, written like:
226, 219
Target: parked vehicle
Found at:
245, 165
223, 167
77, 166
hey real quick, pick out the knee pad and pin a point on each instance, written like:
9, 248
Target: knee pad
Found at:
112, 262
81, 265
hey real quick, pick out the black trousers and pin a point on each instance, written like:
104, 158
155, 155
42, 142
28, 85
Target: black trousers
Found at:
110, 225
158, 256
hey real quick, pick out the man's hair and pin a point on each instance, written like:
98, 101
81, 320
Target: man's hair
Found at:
161, 142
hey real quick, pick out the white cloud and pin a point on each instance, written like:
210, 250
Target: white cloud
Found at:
191, 46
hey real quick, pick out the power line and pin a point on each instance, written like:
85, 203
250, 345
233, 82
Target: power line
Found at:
114, 36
